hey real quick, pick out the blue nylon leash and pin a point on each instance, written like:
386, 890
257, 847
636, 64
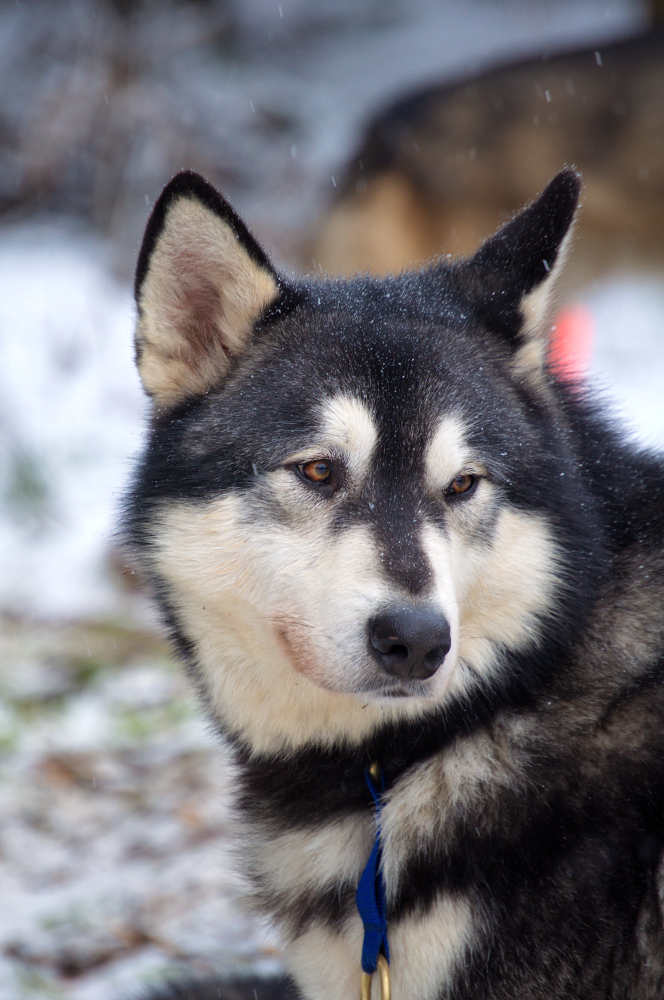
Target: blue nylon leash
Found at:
370, 896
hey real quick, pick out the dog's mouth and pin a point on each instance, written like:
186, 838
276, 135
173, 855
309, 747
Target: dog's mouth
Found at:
399, 692
407, 688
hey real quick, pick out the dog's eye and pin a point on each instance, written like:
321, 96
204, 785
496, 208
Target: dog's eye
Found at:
461, 485
318, 472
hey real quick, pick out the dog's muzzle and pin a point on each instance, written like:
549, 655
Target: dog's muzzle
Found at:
409, 641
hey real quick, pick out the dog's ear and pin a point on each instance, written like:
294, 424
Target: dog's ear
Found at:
513, 274
201, 283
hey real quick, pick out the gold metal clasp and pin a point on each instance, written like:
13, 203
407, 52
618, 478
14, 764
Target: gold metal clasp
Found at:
374, 773
383, 970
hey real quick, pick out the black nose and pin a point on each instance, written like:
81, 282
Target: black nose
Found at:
408, 641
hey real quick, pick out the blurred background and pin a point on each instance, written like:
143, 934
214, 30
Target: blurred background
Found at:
349, 134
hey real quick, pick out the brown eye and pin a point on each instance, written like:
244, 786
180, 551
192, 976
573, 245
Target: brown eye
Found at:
316, 472
461, 485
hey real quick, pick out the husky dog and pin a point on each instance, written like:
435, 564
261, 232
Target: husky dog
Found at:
439, 169
401, 557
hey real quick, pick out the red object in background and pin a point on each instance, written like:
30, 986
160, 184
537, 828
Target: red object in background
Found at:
572, 341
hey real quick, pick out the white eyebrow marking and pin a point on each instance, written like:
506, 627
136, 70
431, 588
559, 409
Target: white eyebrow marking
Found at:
447, 452
346, 423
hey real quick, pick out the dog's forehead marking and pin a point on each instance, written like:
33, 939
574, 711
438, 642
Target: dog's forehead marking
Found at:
348, 424
447, 451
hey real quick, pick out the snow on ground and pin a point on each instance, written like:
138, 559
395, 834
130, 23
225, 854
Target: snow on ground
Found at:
116, 867
70, 421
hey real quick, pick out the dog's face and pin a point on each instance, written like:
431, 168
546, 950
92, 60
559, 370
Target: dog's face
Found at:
355, 501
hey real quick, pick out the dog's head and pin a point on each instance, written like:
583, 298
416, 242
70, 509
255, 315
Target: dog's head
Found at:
358, 499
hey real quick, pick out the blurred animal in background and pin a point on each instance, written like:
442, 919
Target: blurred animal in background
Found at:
418, 580
439, 170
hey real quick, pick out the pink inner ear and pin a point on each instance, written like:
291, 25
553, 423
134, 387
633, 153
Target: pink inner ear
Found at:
193, 309
200, 309
571, 346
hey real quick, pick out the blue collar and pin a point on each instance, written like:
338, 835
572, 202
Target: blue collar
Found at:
370, 897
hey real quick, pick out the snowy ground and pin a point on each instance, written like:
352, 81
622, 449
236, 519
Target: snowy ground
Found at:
70, 416
114, 823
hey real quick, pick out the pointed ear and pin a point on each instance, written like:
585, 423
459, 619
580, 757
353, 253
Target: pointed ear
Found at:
517, 271
201, 283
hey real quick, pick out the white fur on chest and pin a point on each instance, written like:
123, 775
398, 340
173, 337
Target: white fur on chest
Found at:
425, 947
424, 952
313, 861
